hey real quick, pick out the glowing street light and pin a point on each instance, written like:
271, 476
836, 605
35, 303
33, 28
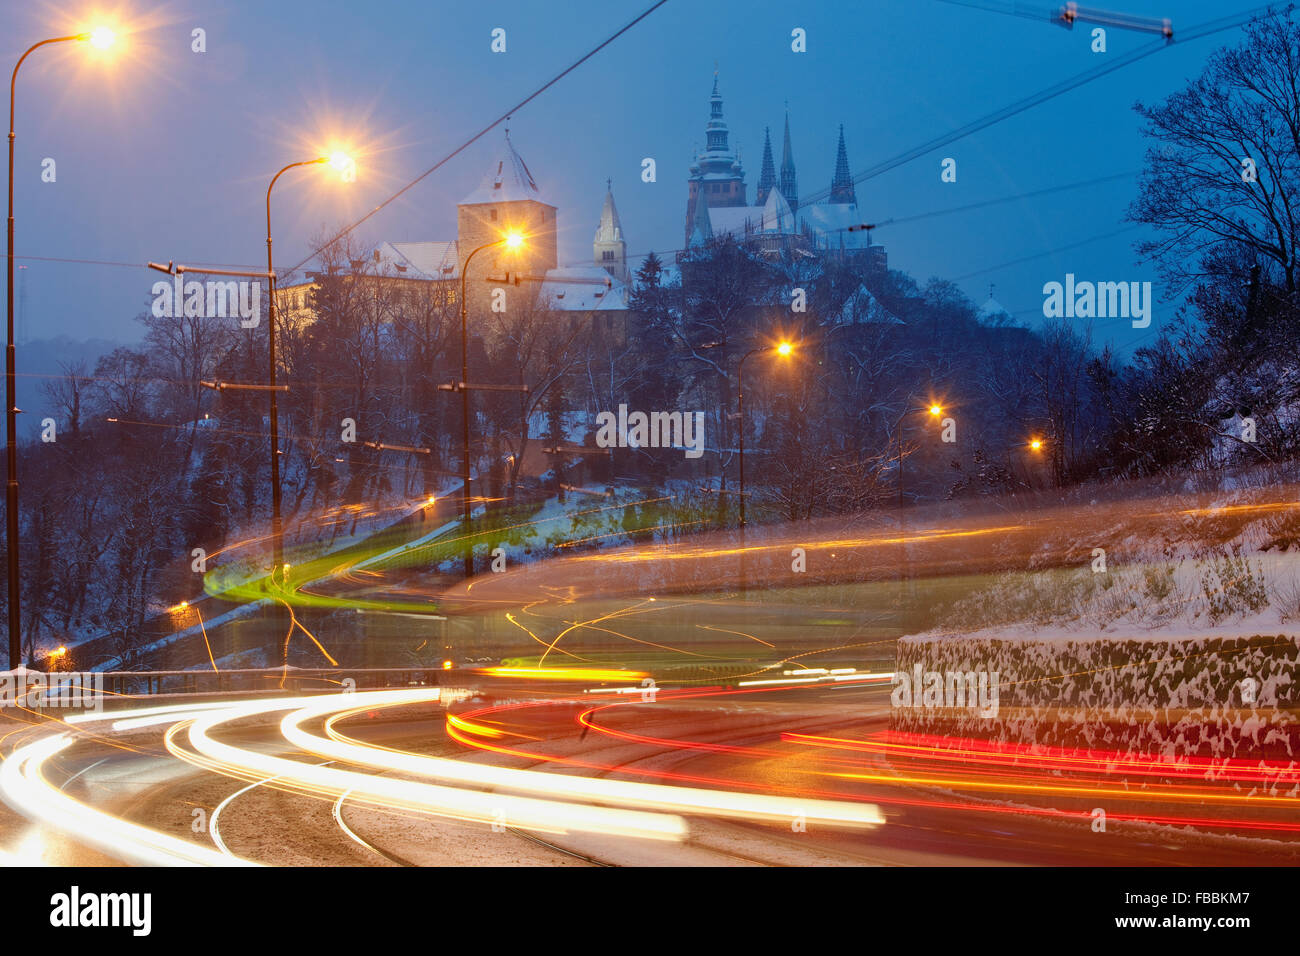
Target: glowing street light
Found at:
341, 162
784, 349
935, 410
100, 38
1036, 444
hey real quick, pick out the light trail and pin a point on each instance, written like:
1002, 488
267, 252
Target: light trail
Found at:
987, 773
620, 793
24, 787
452, 803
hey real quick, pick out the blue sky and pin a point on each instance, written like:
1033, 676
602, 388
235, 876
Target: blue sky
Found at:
165, 153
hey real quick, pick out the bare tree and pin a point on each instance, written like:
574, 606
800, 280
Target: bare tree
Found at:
1225, 167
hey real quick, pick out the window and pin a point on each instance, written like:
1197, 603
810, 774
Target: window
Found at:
494, 215
607, 255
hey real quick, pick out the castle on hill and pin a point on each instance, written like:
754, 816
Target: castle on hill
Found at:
777, 222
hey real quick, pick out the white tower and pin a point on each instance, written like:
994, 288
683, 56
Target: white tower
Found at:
609, 248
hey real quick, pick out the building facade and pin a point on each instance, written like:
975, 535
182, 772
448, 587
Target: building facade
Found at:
508, 199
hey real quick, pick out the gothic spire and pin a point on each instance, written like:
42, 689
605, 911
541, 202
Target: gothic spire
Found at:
609, 247
767, 176
842, 184
610, 228
789, 182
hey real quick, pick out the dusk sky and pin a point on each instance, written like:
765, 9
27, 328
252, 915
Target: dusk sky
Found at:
163, 153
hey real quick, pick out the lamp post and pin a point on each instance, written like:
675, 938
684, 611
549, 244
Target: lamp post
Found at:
934, 411
100, 38
511, 241
342, 163
1035, 445
784, 349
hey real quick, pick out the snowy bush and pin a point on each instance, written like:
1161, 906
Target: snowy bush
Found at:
1233, 587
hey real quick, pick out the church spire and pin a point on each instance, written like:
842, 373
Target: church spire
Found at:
766, 176
789, 182
609, 248
610, 228
842, 184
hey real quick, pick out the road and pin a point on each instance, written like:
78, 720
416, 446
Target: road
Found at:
705, 777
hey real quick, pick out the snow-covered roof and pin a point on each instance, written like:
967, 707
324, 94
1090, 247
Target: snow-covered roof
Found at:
777, 216
991, 308
830, 222
583, 289
863, 307
507, 180
420, 260
732, 219
774, 217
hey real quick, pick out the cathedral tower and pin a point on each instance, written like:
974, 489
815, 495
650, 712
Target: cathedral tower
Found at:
717, 176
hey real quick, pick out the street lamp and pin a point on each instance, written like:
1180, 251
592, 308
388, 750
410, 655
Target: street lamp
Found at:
785, 350
512, 241
343, 164
935, 410
1035, 446
100, 38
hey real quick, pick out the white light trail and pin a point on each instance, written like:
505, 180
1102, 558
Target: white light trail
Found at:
720, 803
473, 806
24, 788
